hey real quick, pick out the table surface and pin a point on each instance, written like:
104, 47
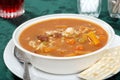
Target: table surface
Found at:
35, 8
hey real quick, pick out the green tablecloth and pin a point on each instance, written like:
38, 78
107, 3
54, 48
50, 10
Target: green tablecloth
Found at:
35, 8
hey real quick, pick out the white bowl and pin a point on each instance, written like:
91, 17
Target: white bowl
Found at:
63, 65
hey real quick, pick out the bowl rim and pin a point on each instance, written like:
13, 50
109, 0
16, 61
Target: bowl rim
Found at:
53, 16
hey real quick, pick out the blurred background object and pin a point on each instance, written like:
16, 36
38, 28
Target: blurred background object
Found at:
89, 7
114, 8
11, 8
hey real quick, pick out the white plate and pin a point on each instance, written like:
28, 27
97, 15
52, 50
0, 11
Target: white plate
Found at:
17, 68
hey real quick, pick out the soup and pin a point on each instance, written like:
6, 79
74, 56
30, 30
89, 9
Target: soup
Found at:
63, 37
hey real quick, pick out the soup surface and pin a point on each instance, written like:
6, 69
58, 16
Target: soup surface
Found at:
63, 37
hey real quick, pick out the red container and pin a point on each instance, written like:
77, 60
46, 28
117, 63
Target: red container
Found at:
11, 8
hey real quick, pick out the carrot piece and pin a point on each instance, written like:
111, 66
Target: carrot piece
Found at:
70, 41
79, 47
47, 49
93, 38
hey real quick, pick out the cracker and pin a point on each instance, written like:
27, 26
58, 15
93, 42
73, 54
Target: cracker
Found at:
106, 66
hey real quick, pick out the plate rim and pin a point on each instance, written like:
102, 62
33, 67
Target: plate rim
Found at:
6, 62
19, 74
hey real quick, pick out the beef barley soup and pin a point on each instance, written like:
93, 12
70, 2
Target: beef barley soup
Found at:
63, 37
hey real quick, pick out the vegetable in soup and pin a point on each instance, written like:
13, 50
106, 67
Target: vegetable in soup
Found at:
63, 37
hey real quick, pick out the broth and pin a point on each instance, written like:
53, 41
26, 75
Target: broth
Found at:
63, 37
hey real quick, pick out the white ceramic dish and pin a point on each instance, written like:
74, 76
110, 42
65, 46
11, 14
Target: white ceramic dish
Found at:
11, 62
63, 65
